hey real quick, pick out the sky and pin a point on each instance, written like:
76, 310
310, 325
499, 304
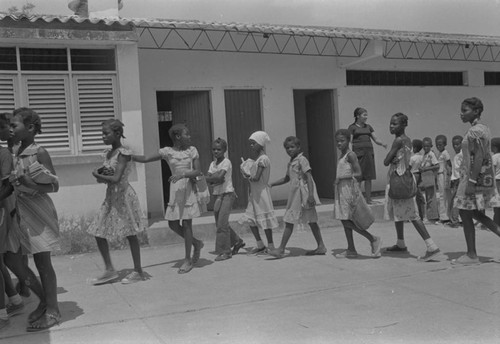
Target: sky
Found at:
478, 17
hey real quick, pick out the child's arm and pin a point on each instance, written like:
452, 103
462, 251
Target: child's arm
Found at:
356, 169
44, 159
146, 158
310, 186
120, 168
5, 189
396, 145
281, 181
216, 178
258, 174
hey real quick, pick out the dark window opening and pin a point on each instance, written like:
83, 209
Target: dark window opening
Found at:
92, 59
399, 78
8, 59
491, 78
43, 59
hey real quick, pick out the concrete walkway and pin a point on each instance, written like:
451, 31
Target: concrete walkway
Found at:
298, 299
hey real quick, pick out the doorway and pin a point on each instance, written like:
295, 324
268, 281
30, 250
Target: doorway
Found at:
315, 127
193, 109
243, 117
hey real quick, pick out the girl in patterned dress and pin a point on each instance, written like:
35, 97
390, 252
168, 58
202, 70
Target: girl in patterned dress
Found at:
401, 210
260, 211
184, 162
347, 194
471, 202
302, 198
37, 216
120, 214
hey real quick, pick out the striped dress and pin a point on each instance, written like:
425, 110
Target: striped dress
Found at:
36, 213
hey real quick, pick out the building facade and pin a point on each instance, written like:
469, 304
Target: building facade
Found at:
227, 80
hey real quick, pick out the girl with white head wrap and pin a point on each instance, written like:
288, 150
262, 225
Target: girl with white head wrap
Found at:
261, 138
260, 211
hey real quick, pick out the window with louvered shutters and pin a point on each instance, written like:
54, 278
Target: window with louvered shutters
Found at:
7, 93
48, 95
96, 102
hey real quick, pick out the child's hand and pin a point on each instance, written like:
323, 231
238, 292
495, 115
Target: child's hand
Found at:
311, 201
395, 160
97, 176
26, 180
175, 179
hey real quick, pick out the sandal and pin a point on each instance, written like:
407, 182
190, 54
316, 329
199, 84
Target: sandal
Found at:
347, 254
184, 269
46, 321
276, 253
396, 249
316, 252
37, 314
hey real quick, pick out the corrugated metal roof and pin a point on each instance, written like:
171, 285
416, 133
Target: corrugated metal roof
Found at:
316, 31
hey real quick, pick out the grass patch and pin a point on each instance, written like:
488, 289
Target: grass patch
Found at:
74, 237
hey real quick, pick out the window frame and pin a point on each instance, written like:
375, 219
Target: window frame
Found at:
76, 146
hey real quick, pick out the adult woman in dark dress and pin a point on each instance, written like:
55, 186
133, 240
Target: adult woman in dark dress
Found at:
362, 137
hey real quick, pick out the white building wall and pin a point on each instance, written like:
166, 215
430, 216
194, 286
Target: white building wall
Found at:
432, 110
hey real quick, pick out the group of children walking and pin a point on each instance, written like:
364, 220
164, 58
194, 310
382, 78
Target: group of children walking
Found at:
30, 226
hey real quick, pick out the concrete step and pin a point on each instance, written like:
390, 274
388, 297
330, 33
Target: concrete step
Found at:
204, 226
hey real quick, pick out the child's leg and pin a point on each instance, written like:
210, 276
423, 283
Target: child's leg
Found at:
431, 206
178, 229
348, 227
442, 199
223, 235
10, 290
269, 237
16, 263
188, 239
286, 236
469, 232
368, 191
485, 220
49, 281
135, 249
317, 236
419, 198
102, 245
256, 234
496, 216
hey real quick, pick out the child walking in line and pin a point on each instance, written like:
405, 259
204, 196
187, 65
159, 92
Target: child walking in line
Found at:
428, 169
401, 210
260, 211
120, 214
184, 162
495, 150
415, 164
348, 194
37, 215
9, 236
227, 242
454, 180
302, 198
443, 178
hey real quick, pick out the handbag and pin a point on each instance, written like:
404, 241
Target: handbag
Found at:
485, 180
361, 215
402, 186
428, 179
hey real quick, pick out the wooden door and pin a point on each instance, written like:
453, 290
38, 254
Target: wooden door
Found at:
243, 117
321, 143
193, 109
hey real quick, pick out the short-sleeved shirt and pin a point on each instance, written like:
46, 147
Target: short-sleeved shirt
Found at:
227, 186
429, 159
416, 162
496, 164
361, 136
443, 157
455, 167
